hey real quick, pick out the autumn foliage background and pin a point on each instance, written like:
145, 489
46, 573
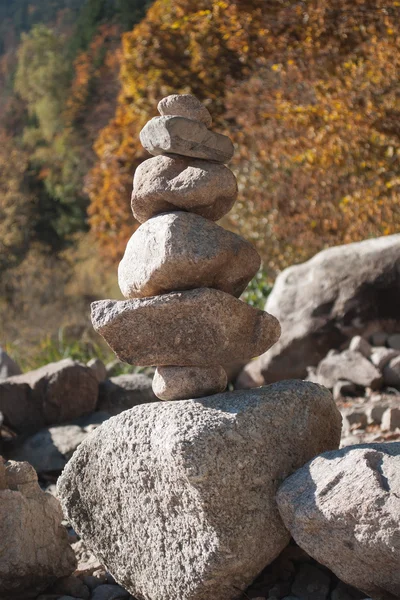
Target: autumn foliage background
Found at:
309, 92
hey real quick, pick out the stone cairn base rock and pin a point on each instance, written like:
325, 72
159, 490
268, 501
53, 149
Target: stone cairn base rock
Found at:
178, 498
35, 550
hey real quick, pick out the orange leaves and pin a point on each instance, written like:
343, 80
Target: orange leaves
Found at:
310, 95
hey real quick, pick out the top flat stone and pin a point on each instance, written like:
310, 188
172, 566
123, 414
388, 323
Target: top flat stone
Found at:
179, 135
184, 105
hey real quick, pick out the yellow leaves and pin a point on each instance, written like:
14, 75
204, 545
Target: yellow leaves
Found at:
277, 67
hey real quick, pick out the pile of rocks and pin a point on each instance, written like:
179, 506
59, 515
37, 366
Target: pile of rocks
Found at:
365, 380
182, 273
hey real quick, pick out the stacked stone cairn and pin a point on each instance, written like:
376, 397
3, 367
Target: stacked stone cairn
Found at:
178, 499
182, 273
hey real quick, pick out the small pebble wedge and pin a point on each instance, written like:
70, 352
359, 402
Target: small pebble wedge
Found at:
167, 183
182, 383
178, 135
181, 251
185, 105
203, 327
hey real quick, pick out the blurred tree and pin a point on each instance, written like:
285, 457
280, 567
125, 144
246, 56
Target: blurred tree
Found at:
309, 92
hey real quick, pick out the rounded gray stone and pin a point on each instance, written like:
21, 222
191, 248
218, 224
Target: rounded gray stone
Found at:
178, 498
166, 183
181, 251
182, 383
178, 135
185, 105
203, 327
343, 508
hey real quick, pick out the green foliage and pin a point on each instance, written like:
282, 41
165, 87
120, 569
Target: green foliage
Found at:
258, 290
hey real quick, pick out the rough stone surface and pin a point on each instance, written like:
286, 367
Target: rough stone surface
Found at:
60, 392
167, 183
393, 341
181, 251
324, 302
50, 449
99, 369
182, 383
360, 344
8, 367
22, 411
311, 583
151, 492
35, 548
349, 365
343, 508
391, 419
391, 372
185, 105
125, 391
203, 327
178, 135
381, 356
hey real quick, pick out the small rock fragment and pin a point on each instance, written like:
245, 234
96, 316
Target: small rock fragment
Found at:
184, 105
311, 583
125, 391
178, 135
182, 383
391, 419
381, 356
8, 366
360, 344
391, 372
344, 388
379, 338
393, 341
99, 369
351, 366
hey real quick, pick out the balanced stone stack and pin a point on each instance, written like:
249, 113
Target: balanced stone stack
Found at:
181, 273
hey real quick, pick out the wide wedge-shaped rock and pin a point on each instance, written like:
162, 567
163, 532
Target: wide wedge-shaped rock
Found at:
180, 251
178, 498
203, 327
178, 135
343, 508
166, 183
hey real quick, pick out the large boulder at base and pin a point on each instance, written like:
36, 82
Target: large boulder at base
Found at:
58, 392
323, 302
125, 391
343, 508
181, 251
203, 327
178, 498
8, 367
166, 183
35, 550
